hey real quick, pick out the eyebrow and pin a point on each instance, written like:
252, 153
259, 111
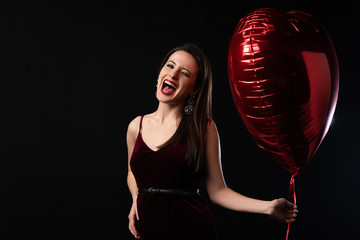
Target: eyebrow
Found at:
182, 68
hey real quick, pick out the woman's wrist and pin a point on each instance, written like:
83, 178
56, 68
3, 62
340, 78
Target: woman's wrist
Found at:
134, 196
268, 207
134, 199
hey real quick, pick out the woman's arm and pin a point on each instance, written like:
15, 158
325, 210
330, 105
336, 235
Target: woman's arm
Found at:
131, 135
220, 194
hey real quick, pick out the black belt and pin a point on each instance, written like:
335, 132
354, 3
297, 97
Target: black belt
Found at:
175, 192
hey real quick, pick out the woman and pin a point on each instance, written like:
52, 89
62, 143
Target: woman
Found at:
172, 149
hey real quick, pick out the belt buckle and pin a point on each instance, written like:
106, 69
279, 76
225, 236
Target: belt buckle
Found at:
152, 191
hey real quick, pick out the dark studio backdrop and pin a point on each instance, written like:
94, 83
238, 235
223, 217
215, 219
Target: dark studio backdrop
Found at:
74, 75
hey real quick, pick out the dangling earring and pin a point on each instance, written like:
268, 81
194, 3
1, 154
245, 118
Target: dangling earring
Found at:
189, 108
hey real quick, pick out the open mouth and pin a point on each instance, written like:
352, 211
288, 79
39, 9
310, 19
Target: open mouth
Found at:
168, 87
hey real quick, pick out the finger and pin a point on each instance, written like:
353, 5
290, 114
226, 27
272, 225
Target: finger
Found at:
294, 213
287, 220
134, 232
292, 206
132, 227
291, 214
137, 214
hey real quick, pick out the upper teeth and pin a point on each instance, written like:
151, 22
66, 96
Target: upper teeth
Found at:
169, 83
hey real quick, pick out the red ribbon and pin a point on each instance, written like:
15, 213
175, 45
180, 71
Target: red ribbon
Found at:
291, 195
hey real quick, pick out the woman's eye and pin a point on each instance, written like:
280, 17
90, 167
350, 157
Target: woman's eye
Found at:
185, 74
170, 66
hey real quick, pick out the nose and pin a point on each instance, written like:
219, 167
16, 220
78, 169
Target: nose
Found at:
174, 74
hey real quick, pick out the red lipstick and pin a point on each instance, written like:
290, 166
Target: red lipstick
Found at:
168, 87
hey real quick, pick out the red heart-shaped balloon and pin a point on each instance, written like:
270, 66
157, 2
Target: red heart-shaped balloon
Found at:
284, 80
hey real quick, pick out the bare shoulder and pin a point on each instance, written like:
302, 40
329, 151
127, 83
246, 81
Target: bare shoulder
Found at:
211, 127
133, 127
212, 135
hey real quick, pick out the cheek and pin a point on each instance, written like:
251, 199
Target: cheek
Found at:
192, 84
163, 72
187, 89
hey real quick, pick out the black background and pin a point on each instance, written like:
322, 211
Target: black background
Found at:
74, 75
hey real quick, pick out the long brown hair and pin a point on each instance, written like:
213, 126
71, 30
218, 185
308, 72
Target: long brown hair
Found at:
192, 128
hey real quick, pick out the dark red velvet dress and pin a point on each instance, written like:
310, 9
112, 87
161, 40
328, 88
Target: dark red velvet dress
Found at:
168, 216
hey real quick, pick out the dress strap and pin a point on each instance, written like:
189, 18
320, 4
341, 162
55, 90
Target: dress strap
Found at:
141, 123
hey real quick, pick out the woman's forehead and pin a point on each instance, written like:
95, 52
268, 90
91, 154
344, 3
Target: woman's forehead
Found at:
184, 59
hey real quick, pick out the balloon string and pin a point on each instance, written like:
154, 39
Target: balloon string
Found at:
291, 195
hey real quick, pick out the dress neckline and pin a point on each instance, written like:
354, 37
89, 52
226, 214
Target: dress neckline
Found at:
142, 139
146, 145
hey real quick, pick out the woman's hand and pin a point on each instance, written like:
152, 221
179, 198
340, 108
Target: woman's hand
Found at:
283, 210
132, 215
